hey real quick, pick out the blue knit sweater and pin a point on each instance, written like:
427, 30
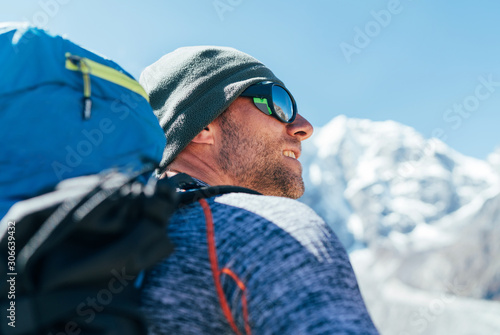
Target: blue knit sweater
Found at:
278, 266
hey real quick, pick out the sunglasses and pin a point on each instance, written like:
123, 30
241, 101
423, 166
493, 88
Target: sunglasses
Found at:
273, 99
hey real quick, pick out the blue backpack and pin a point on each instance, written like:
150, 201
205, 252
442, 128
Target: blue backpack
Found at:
77, 241
66, 112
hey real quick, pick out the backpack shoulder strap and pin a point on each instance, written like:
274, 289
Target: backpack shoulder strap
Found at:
189, 190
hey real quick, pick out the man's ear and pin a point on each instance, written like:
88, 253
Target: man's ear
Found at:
206, 136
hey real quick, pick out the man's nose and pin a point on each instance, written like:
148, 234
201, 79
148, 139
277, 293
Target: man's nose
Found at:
300, 128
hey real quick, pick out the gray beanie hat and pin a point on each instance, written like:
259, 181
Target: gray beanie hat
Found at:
189, 87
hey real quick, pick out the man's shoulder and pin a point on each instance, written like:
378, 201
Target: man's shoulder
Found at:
270, 213
247, 218
270, 207
269, 224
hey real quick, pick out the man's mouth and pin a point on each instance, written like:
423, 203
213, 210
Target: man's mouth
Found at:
289, 153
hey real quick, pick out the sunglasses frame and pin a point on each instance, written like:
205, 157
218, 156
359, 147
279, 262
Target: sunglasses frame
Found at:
262, 94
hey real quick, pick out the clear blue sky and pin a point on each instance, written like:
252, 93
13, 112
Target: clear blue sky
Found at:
411, 67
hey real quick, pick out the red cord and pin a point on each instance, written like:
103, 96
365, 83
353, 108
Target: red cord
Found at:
212, 254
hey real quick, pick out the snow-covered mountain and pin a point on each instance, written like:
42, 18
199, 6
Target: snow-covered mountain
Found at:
376, 180
422, 223
494, 159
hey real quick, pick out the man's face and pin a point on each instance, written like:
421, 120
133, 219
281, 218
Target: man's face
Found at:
256, 150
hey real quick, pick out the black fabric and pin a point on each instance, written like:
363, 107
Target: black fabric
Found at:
193, 195
192, 191
78, 257
81, 247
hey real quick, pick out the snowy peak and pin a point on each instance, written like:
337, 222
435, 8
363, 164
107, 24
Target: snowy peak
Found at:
494, 159
369, 179
421, 220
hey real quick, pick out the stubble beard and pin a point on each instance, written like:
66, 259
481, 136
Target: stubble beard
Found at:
257, 163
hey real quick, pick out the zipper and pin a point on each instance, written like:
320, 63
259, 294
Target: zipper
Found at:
89, 67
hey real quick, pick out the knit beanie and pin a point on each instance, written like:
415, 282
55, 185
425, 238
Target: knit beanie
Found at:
189, 87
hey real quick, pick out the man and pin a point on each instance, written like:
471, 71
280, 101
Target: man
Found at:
243, 263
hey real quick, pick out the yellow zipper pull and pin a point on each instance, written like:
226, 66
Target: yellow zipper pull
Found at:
87, 101
87, 90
